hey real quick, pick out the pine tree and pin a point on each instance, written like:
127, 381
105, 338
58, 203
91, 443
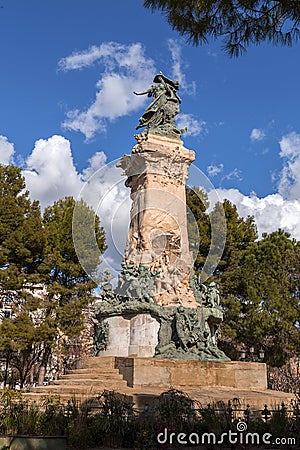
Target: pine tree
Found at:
39, 255
258, 280
22, 237
232, 233
198, 225
261, 296
22, 241
238, 23
69, 287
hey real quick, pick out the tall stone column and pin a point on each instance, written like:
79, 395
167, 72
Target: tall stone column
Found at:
157, 170
158, 309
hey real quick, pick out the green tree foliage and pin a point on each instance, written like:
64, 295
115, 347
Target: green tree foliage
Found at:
198, 224
238, 22
22, 341
258, 280
22, 237
22, 242
37, 253
237, 234
261, 296
69, 287
240, 232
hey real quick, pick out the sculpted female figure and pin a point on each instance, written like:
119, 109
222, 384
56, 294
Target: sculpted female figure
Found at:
159, 116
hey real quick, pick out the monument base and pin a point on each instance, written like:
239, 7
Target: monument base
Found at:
168, 373
144, 379
132, 327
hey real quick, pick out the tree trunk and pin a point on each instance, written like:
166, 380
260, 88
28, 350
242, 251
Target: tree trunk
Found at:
6, 367
43, 365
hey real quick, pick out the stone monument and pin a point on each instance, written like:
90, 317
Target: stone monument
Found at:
160, 308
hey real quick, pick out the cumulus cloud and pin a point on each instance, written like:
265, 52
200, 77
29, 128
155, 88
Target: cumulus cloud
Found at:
7, 151
50, 173
289, 183
193, 125
280, 210
213, 170
177, 71
105, 191
126, 69
270, 212
96, 162
257, 134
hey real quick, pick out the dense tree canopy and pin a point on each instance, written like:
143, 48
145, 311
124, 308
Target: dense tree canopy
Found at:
22, 236
198, 224
237, 233
69, 288
41, 279
66, 280
259, 282
261, 296
239, 22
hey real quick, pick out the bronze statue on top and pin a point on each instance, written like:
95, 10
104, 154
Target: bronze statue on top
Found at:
159, 117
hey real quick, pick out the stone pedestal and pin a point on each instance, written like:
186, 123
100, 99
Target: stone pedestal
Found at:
159, 309
143, 335
157, 170
131, 336
166, 373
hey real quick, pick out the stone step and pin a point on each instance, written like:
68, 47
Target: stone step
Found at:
99, 374
95, 370
92, 375
71, 389
107, 362
89, 382
95, 375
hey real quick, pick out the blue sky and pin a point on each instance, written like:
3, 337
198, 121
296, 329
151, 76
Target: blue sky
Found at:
68, 69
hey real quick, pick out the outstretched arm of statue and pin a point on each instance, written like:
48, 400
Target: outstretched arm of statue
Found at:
148, 91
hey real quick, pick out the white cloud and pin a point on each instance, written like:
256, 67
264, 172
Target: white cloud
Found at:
257, 134
126, 69
7, 151
280, 210
289, 183
270, 213
177, 72
50, 173
290, 146
193, 125
234, 174
104, 189
213, 170
96, 162
85, 58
